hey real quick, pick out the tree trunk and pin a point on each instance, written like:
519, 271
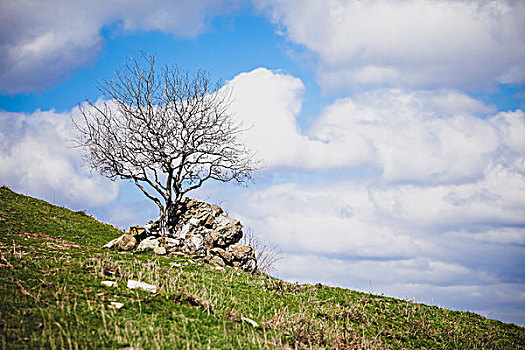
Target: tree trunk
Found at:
163, 222
168, 218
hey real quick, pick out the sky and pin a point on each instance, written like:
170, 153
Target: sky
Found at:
393, 132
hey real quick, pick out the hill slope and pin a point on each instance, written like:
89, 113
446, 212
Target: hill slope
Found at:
51, 296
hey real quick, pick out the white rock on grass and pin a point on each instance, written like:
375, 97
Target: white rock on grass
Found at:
109, 283
116, 305
132, 284
250, 321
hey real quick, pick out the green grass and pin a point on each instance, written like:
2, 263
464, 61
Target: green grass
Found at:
51, 266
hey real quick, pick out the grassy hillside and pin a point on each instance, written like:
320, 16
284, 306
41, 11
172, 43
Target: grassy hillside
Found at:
51, 296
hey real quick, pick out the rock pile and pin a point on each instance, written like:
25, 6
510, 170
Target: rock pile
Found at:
201, 230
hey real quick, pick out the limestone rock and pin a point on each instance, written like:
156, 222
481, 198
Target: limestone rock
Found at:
149, 243
199, 229
171, 244
225, 255
183, 231
208, 220
240, 251
160, 250
250, 321
124, 242
132, 284
194, 222
222, 222
210, 238
216, 260
229, 230
109, 283
136, 230
243, 257
195, 245
151, 227
216, 210
116, 305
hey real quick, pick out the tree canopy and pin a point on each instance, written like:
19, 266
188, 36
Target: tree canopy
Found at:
167, 131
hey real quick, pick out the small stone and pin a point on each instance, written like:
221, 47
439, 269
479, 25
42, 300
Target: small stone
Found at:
191, 203
216, 260
132, 284
160, 250
170, 241
250, 321
208, 220
197, 242
109, 283
183, 231
229, 230
210, 238
222, 222
116, 305
225, 255
194, 222
172, 244
240, 251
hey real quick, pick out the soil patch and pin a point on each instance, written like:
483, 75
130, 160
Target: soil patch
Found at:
60, 241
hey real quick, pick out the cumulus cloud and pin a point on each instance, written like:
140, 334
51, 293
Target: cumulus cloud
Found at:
42, 42
420, 137
36, 158
472, 44
269, 103
362, 219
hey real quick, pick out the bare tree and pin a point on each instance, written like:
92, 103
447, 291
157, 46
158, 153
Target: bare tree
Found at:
167, 131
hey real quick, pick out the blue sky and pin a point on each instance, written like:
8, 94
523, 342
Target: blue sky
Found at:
393, 132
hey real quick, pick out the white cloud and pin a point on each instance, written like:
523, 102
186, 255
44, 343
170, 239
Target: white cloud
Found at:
421, 137
269, 102
365, 219
472, 44
36, 158
42, 42
497, 199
